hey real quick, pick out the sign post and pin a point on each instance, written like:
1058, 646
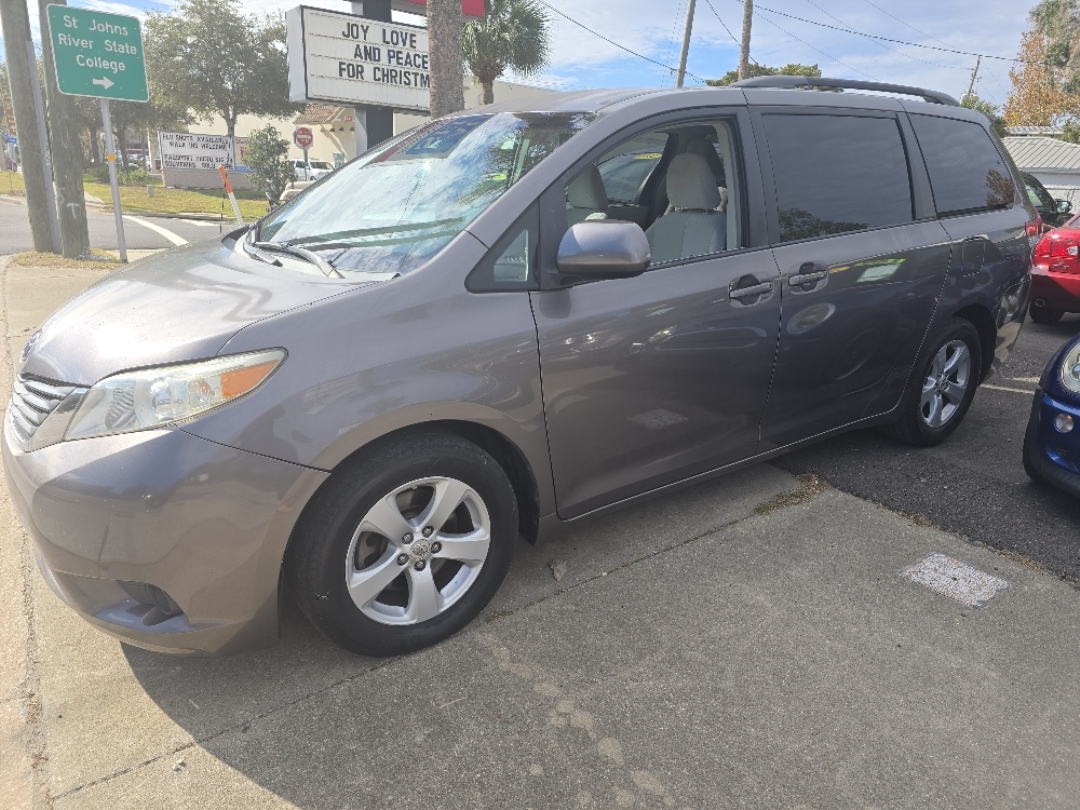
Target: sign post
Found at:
100, 55
303, 137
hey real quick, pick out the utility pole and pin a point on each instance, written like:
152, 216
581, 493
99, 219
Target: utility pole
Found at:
974, 73
15, 23
445, 29
66, 152
744, 47
685, 44
373, 124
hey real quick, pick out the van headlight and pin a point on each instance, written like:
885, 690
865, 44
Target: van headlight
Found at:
155, 397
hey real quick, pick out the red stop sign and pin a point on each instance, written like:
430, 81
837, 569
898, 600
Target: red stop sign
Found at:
303, 137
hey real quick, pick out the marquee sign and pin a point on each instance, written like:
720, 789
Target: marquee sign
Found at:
345, 59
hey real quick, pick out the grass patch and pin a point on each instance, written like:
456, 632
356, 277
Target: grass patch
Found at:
134, 200
809, 486
12, 183
99, 260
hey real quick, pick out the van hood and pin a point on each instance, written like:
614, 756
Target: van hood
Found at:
174, 307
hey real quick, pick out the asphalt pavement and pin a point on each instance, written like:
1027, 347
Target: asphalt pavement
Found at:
973, 484
141, 231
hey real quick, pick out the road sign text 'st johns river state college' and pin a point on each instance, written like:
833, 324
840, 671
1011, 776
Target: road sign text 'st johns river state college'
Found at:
97, 54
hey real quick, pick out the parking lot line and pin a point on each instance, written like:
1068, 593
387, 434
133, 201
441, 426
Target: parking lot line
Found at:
172, 237
1025, 391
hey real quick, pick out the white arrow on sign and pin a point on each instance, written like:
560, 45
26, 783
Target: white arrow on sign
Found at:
104, 82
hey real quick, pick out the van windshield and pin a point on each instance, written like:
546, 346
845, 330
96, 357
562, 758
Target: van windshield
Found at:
393, 208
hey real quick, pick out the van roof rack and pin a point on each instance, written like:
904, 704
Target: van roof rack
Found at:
792, 82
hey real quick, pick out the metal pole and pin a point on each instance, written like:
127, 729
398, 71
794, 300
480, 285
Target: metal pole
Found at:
46, 158
744, 46
685, 44
110, 158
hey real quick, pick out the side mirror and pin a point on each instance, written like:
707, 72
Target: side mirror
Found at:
1063, 206
604, 248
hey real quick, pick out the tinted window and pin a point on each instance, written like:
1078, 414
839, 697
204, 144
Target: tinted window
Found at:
966, 170
835, 174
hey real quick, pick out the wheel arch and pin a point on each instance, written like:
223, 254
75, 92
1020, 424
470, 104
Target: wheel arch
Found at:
979, 317
508, 455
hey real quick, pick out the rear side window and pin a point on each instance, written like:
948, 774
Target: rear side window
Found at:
836, 174
967, 173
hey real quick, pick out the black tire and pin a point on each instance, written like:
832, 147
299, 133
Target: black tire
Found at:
1044, 315
911, 426
323, 543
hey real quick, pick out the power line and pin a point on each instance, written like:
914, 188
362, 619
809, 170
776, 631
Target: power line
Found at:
616, 44
912, 27
880, 45
884, 39
807, 44
715, 14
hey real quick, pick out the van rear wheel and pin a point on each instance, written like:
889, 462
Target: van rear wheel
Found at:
405, 547
940, 392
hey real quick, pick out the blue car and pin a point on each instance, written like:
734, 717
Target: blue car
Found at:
1052, 441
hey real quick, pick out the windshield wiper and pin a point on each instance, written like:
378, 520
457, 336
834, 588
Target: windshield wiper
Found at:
303, 253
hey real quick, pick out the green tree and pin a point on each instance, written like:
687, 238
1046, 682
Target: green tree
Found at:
210, 58
793, 69
268, 159
513, 34
990, 110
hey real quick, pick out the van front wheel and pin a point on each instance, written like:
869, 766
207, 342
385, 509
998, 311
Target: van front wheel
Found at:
403, 548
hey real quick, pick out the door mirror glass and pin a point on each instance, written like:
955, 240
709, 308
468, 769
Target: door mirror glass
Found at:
604, 249
1063, 206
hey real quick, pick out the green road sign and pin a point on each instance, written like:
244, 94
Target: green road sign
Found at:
97, 54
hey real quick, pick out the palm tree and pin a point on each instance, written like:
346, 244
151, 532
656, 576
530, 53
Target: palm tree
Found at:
513, 34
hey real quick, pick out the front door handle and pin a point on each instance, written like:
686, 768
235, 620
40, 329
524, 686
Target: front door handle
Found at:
747, 292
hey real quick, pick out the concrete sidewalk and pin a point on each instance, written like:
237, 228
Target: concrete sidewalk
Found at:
747, 643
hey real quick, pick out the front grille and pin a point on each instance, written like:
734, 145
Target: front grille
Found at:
31, 403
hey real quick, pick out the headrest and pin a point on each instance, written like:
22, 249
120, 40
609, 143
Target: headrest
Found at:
691, 185
587, 190
706, 150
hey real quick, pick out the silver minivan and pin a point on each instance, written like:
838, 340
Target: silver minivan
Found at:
498, 324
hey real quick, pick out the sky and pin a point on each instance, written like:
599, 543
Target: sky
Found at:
580, 59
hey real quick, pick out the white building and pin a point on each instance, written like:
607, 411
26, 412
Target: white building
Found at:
1055, 163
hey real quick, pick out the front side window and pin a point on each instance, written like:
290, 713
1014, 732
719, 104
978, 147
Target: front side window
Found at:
395, 207
836, 174
694, 208
967, 173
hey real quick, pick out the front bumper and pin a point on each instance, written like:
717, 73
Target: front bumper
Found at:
1052, 456
204, 523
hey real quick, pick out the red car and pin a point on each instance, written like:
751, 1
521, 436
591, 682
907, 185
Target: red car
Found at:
1055, 273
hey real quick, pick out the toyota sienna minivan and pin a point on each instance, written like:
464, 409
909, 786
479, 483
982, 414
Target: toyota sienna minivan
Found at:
498, 324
